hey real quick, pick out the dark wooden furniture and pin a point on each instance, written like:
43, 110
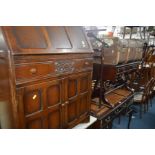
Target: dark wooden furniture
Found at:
113, 87
46, 75
114, 76
115, 70
106, 115
116, 96
142, 98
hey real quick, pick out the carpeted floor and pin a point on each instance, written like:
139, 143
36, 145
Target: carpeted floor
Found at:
147, 121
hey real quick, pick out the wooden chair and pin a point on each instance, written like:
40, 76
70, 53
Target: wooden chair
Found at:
152, 90
141, 98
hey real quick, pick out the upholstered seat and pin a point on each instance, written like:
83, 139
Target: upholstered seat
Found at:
138, 97
142, 97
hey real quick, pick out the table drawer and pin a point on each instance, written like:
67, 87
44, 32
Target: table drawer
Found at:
34, 70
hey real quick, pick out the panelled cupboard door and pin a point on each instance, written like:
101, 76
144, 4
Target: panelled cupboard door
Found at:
53, 99
40, 105
84, 93
31, 106
78, 97
72, 85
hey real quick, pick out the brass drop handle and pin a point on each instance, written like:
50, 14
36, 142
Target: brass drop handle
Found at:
33, 70
86, 63
34, 97
66, 102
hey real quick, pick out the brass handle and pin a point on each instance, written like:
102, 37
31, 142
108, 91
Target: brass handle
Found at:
66, 102
63, 105
33, 70
86, 63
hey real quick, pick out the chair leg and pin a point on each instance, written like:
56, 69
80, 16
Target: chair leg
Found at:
110, 125
147, 105
140, 113
151, 101
130, 118
119, 119
101, 124
144, 106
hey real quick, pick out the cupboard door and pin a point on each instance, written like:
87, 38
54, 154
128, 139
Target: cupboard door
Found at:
77, 37
53, 102
33, 102
84, 82
84, 93
72, 111
72, 87
40, 105
31, 106
72, 99
83, 104
53, 93
78, 96
35, 123
54, 118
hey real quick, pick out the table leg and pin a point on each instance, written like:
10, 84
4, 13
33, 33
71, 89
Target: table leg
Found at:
130, 118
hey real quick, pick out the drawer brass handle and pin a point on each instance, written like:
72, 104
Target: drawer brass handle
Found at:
66, 102
86, 63
33, 70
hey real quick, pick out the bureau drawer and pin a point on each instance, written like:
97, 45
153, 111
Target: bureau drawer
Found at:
34, 70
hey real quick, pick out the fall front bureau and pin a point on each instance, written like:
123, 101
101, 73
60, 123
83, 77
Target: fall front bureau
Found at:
48, 73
